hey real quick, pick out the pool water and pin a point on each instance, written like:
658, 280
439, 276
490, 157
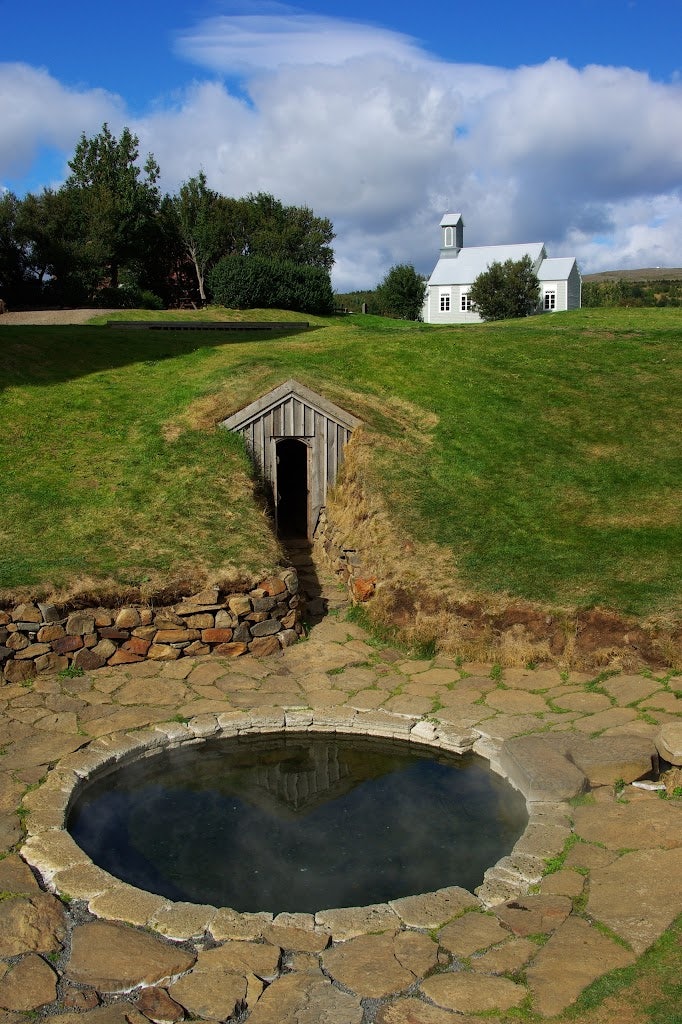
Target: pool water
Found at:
298, 822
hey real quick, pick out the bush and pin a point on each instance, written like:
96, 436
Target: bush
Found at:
506, 290
256, 282
126, 297
401, 293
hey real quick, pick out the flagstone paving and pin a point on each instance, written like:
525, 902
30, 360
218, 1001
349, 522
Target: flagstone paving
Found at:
529, 938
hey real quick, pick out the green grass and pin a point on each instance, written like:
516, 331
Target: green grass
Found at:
550, 464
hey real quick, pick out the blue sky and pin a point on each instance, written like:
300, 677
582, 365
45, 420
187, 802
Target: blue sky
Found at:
560, 123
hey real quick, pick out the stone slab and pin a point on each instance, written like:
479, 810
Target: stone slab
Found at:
507, 958
628, 689
183, 920
643, 825
639, 895
367, 965
471, 933
28, 985
416, 952
31, 924
118, 901
414, 1011
349, 922
300, 940
114, 958
575, 956
472, 993
212, 995
16, 876
157, 1006
534, 915
669, 742
306, 999
433, 909
605, 759
117, 1013
261, 959
228, 924
539, 770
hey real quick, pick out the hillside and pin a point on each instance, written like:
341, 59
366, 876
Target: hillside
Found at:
541, 456
644, 274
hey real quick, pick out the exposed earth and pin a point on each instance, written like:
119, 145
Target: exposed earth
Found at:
51, 317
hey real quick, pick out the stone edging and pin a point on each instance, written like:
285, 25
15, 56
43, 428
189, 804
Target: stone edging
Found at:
67, 870
38, 637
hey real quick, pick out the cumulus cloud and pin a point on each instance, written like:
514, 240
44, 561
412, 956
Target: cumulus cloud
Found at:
363, 126
38, 111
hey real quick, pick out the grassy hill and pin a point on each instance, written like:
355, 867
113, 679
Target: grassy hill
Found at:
643, 274
541, 455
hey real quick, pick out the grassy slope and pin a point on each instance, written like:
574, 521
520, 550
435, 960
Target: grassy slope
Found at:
552, 468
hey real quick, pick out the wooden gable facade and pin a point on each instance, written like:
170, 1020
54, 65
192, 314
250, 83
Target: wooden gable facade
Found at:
296, 439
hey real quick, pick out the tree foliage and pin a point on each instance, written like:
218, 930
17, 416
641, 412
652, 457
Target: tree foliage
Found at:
195, 207
623, 292
259, 282
108, 236
12, 263
401, 293
506, 290
117, 204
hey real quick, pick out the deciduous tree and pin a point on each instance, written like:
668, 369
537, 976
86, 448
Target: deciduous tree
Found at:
196, 208
401, 293
506, 290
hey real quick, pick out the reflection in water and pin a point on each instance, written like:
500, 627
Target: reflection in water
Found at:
298, 823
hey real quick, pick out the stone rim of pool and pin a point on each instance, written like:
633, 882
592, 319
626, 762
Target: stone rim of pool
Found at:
297, 822
546, 780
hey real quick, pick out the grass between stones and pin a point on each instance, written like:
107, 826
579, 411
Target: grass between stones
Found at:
648, 992
554, 439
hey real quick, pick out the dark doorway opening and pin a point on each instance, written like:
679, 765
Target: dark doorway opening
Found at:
292, 488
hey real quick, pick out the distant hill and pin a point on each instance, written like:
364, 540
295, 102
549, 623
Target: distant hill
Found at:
649, 286
644, 274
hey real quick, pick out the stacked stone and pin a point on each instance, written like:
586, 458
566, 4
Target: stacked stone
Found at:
37, 637
344, 561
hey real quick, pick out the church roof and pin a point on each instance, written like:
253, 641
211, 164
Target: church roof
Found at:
556, 269
469, 262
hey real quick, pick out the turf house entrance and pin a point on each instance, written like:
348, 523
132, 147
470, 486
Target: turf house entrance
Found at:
296, 439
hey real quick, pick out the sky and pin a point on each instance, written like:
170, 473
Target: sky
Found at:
536, 121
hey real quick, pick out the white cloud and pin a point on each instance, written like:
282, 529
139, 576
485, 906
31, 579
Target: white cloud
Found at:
367, 129
37, 111
239, 43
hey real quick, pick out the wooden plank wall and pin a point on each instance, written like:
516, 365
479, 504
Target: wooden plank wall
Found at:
324, 436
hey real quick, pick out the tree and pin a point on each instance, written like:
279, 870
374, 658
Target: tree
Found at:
291, 233
12, 262
506, 290
401, 293
199, 226
50, 228
118, 205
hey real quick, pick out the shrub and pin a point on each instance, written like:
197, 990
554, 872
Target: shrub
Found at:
257, 282
401, 293
506, 290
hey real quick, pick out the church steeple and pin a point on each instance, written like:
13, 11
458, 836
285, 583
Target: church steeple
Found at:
452, 228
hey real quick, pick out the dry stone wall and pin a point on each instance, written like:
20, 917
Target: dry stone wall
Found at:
36, 637
346, 562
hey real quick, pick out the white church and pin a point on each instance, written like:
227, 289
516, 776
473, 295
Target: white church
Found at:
447, 293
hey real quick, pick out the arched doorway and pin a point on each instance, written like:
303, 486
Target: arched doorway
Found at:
292, 487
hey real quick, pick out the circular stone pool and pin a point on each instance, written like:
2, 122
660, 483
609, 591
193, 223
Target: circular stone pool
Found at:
287, 822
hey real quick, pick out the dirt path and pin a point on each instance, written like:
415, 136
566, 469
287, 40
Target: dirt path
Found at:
51, 317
